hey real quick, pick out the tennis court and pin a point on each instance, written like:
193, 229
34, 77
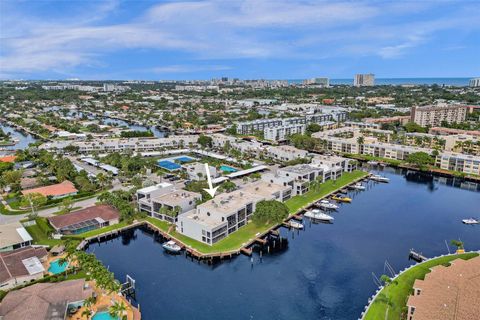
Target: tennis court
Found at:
168, 165
184, 159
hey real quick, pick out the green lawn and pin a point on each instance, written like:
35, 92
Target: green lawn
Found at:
232, 242
96, 232
39, 236
400, 289
296, 203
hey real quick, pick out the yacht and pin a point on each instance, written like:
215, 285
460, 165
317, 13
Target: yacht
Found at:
341, 198
379, 178
171, 246
325, 204
471, 221
318, 215
295, 225
358, 186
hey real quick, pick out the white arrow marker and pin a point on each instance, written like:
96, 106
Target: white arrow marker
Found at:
211, 190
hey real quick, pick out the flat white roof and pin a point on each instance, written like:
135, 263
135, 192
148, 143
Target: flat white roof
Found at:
155, 187
24, 234
33, 265
246, 171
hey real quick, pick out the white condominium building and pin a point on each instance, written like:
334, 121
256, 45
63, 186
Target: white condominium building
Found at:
474, 83
281, 133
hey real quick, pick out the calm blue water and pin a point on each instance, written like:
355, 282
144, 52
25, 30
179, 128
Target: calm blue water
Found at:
23, 139
401, 81
56, 267
326, 271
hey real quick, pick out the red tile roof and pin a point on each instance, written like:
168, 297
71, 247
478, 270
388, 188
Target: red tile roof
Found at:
103, 211
59, 189
8, 159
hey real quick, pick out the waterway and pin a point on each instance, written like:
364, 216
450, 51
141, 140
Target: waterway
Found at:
326, 270
23, 139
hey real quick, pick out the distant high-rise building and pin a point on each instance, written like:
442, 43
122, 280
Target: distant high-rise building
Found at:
475, 82
364, 80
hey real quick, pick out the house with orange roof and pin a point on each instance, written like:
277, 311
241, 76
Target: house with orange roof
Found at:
9, 159
55, 191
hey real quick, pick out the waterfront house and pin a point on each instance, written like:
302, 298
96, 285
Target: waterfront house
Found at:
87, 219
21, 266
44, 300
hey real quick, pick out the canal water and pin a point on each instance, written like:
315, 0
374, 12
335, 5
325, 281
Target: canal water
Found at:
23, 139
326, 270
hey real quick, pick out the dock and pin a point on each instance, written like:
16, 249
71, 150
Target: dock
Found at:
416, 256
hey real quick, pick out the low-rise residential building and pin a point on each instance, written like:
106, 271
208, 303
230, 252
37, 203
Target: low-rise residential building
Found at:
55, 191
14, 236
196, 171
84, 220
285, 153
459, 162
122, 145
21, 266
169, 205
347, 165
298, 177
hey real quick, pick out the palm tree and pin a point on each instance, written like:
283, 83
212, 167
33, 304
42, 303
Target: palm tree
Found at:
87, 313
117, 309
87, 303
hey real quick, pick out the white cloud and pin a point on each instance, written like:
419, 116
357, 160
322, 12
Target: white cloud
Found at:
212, 30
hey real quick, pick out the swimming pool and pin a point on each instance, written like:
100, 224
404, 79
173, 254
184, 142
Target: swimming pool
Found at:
103, 315
169, 165
228, 169
56, 267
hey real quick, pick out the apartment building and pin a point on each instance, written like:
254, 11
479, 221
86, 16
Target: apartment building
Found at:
281, 133
250, 127
165, 203
434, 115
474, 83
364, 80
459, 162
285, 153
227, 212
122, 145
298, 177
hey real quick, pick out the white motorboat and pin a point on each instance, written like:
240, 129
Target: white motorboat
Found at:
325, 204
296, 225
171, 246
318, 215
358, 186
471, 221
379, 178
373, 163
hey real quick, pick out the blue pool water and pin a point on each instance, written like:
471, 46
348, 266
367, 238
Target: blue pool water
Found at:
184, 159
228, 169
104, 315
169, 165
324, 273
57, 267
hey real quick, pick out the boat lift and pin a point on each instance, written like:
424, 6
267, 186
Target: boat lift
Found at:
129, 288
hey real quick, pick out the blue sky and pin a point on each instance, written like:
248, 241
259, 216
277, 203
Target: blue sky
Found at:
272, 39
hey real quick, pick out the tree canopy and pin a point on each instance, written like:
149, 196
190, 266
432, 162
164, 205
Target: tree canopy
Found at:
268, 211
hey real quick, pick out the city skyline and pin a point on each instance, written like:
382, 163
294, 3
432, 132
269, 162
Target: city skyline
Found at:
240, 39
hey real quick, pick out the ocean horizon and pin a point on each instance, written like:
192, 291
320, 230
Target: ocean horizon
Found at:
460, 82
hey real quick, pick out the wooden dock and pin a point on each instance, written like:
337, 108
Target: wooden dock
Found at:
416, 256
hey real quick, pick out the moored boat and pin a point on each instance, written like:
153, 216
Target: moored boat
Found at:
171, 246
379, 178
325, 204
295, 225
358, 186
471, 221
341, 198
318, 215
